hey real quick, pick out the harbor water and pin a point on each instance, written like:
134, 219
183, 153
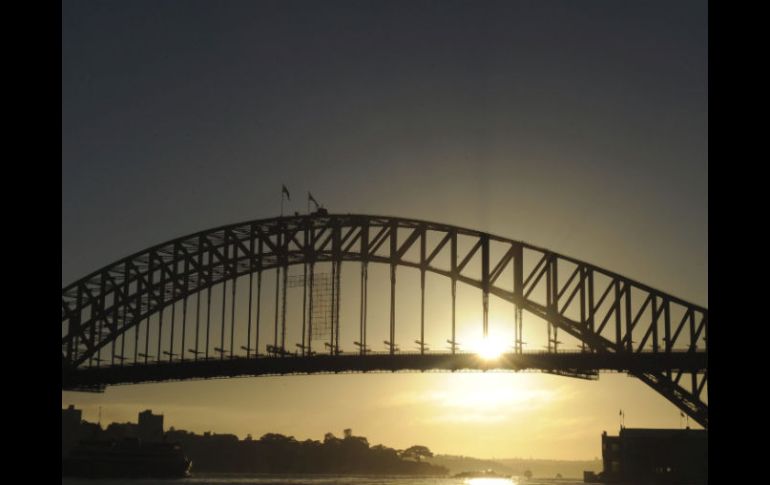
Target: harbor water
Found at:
321, 480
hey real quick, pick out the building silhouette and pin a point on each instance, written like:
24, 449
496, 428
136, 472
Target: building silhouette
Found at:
655, 456
70, 419
150, 427
70, 428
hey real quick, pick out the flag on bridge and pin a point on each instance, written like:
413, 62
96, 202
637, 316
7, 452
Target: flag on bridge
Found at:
311, 199
285, 191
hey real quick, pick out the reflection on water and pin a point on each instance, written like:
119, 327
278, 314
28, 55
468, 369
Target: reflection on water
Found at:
489, 481
323, 480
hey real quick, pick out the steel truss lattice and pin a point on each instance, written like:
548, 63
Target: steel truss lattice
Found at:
106, 316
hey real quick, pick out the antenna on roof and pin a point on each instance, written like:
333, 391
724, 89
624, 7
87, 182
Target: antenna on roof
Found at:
622, 419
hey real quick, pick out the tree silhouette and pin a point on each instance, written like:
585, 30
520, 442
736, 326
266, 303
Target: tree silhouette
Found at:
417, 452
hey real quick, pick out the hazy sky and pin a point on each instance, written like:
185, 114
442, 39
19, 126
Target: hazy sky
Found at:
576, 126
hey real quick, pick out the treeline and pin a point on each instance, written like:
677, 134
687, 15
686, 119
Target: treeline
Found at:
276, 453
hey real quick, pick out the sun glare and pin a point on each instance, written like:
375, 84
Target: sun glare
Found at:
489, 348
489, 481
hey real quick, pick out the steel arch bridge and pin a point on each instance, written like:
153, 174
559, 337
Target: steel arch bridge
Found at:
113, 319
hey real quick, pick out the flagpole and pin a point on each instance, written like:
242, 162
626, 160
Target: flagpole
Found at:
281, 200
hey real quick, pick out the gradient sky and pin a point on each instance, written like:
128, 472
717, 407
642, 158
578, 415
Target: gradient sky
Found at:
577, 126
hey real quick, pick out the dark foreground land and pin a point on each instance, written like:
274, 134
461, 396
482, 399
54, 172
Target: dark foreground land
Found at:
271, 454
276, 453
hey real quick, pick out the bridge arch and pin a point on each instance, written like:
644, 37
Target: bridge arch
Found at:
609, 313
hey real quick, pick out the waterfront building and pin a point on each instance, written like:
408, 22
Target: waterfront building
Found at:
655, 456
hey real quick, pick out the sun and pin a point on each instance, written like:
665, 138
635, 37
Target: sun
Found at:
489, 348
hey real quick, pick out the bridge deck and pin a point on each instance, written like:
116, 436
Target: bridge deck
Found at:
576, 364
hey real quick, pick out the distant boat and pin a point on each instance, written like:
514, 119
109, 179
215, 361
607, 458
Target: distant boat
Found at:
126, 459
